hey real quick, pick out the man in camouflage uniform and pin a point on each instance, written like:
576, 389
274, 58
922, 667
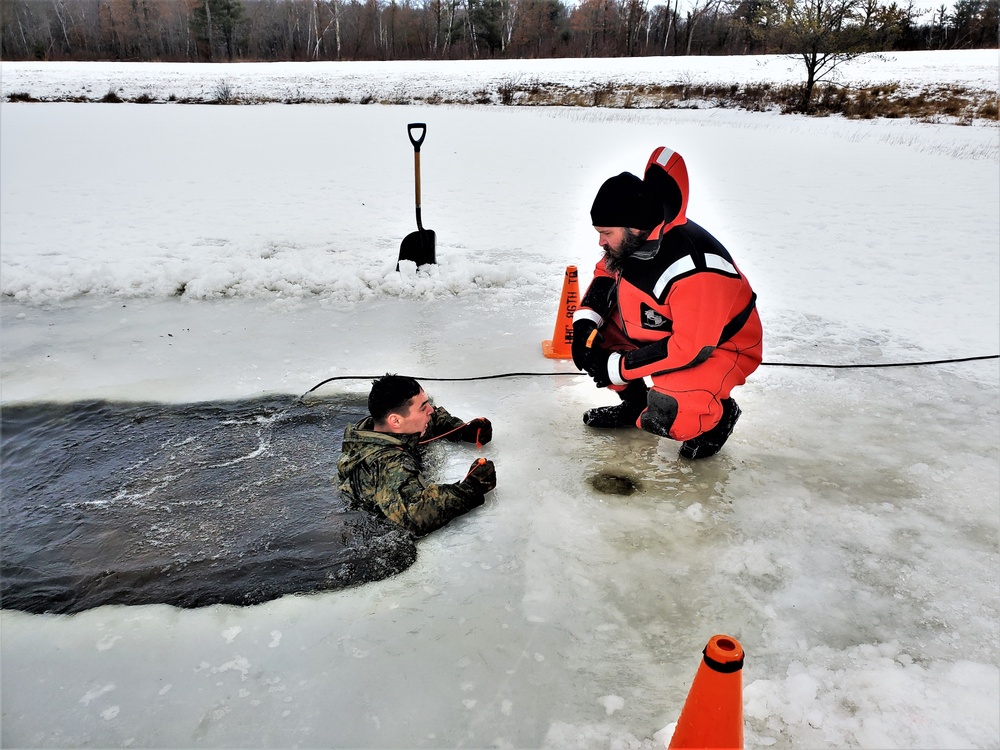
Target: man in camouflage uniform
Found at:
380, 467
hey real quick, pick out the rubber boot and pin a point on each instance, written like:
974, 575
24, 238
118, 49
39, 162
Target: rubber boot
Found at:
708, 443
624, 414
661, 414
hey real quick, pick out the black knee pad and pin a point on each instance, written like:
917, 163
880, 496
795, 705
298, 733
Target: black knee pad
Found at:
660, 416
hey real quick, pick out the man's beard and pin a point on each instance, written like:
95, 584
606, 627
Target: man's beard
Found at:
630, 244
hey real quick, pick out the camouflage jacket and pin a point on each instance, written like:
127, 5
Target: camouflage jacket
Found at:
383, 473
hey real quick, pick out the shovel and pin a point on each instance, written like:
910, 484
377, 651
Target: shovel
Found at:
417, 246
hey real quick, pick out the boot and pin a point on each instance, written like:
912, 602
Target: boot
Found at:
708, 443
624, 414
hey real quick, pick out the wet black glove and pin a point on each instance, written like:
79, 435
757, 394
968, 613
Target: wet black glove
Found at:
483, 475
582, 329
597, 366
478, 431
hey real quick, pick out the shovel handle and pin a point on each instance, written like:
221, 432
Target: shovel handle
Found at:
423, 132
416, 158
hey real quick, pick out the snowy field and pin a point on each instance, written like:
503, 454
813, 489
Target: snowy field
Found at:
847, 535
412, 81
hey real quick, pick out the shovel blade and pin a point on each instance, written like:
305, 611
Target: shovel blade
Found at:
419, 247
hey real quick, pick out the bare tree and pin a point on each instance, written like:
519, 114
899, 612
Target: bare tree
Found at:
334, 7
669, 15
208, 28
450, 34
696, 14
631, 13
825, 35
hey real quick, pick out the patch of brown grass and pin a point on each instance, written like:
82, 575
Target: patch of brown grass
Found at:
933, 104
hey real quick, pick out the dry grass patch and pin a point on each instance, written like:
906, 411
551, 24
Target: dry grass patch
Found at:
955, 104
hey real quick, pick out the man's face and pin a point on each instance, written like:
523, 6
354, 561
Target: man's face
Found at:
417, 415
610, 239
618, 243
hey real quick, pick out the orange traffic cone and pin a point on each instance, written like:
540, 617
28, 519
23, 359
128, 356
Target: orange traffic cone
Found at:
712, 716
560, 347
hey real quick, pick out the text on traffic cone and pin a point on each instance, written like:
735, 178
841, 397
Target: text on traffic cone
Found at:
560, 347
712, 716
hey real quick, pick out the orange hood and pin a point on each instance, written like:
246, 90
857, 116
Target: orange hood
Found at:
666, 174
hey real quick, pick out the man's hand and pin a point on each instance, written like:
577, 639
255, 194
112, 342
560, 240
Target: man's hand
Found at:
582, 331
482, 474
597, 366
478, 431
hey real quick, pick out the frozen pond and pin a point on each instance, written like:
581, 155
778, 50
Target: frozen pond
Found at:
847, 535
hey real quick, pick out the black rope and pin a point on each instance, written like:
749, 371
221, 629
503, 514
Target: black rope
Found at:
443, 380
883, 364
763, 364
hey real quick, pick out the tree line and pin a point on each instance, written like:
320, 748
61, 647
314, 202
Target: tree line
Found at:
300, 30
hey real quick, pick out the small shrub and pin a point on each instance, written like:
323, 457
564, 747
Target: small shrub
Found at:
224, 93
399, 96
111, 97
507, 89
22, 96
144, 98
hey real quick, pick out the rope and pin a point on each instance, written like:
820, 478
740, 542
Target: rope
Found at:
449, 432
763, 364
884, 364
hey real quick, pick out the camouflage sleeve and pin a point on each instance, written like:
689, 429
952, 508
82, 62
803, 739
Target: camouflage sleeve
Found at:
442, 423
408, 501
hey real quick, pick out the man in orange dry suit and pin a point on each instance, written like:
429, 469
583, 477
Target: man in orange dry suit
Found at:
667, 302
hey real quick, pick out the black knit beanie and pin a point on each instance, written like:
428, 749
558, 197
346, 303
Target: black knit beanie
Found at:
623, 201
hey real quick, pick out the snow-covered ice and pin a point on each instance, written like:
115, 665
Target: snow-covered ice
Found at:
847, 535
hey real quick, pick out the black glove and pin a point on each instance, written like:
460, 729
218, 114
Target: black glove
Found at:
483, 475
581, 333
478, 431
597, 366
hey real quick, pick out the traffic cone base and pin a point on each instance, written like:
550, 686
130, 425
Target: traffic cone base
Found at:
561, 344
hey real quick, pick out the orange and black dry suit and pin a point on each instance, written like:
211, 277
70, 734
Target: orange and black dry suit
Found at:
679, 312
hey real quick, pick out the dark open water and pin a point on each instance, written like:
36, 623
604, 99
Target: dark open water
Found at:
190, 505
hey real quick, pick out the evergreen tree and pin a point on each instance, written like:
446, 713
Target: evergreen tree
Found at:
216, 22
